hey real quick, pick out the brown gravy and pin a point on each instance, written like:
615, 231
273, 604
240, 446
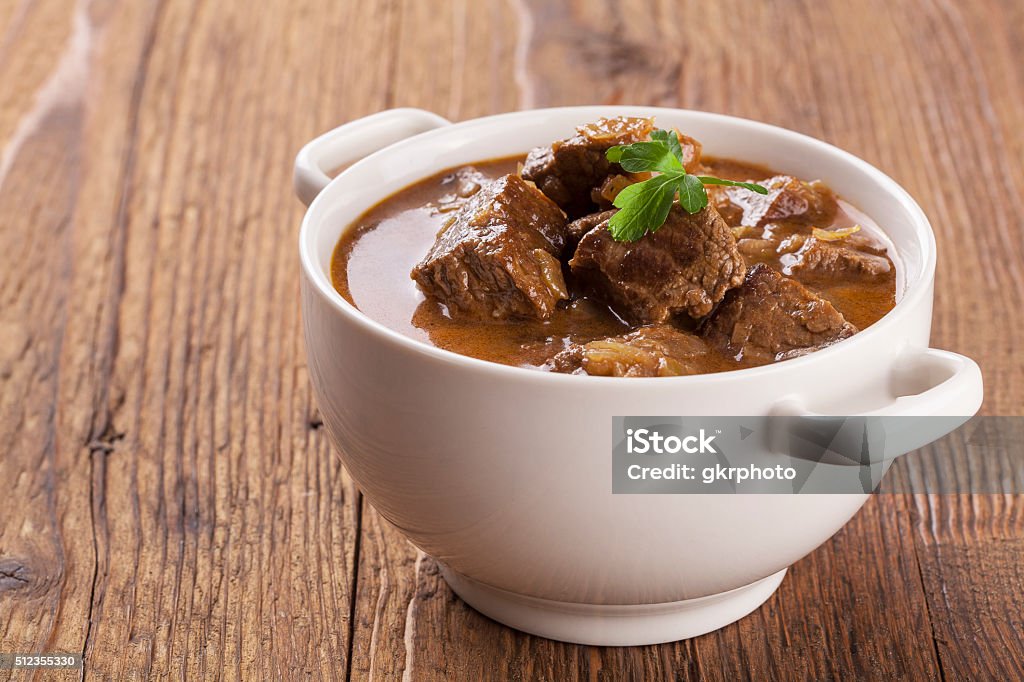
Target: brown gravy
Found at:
371, 264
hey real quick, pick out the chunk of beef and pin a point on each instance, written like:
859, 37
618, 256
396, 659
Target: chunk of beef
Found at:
817, 259
771, 317
568, 169
497, 257
686, 266
810, 203
655, 351
579, 227
459, 186
576, 174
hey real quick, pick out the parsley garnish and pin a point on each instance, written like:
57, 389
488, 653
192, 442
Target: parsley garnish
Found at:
644, 206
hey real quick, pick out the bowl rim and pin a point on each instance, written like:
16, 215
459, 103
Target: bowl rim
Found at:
321, 284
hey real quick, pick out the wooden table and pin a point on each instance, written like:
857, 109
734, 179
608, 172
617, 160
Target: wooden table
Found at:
171, 506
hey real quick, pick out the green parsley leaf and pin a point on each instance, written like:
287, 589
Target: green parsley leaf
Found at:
649, 156
662, 154
671, 140
752, 186
643, 205
692, 195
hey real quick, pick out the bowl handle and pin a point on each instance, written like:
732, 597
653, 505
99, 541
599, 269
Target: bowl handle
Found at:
354, 140
935, 391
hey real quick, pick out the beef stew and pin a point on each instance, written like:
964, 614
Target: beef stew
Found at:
512, 261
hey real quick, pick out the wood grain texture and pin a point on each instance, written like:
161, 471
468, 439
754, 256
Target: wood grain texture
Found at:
173, 508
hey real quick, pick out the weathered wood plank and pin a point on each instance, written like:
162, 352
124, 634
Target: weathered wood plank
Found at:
177, 511
227, 529
970, 549
63, 155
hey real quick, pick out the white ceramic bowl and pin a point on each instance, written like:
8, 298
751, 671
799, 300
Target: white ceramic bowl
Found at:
503, 474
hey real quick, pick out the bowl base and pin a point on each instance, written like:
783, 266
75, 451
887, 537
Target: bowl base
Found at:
613, 624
